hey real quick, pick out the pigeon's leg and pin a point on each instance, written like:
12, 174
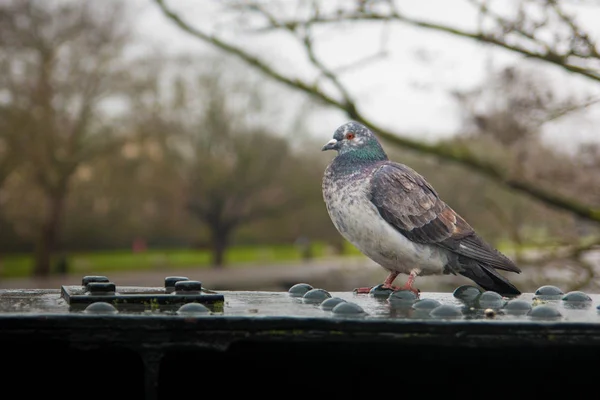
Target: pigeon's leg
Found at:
411, 280
387, 284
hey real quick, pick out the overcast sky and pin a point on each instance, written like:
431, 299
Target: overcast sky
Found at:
408, 91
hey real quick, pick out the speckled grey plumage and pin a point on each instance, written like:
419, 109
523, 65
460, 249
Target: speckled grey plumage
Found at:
392, 215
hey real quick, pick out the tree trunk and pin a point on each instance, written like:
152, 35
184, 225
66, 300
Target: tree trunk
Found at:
48, 234
220, 242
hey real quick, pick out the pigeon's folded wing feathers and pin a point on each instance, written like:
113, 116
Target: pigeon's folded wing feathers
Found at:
409, 203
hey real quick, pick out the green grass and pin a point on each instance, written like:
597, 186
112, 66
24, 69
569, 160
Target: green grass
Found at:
101, 262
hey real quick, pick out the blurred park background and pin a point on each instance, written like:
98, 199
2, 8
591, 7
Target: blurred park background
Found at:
148, 138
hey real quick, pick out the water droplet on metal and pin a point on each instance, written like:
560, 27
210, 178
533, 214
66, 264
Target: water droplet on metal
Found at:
299, 289
426, 304
490, 299
193, 308
545, 311
548, 292
348, 308
577, 296
380, 292
466, 293
328, 304
517, 307
402, 299
446, 311
315, 296
577, 300
100, 307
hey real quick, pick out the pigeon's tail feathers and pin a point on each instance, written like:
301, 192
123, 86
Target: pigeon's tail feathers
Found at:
489, 279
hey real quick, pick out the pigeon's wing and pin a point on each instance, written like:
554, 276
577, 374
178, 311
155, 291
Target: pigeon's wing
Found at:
409, 203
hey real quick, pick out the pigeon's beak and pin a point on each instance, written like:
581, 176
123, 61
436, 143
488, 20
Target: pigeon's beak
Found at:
331, 145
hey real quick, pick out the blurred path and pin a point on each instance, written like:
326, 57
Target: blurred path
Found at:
246, 277
332, 273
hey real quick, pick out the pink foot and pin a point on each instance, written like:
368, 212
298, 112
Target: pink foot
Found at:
410, 287
366, 290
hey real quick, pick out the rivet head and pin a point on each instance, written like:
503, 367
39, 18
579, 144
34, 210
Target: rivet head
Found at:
188, 286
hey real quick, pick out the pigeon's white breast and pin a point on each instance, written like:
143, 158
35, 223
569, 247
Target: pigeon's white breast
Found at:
359, 222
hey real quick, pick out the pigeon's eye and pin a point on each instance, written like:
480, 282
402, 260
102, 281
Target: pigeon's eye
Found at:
350, 136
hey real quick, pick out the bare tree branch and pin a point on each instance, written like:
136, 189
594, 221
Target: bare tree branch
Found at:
570, 109
448, 153
549, 55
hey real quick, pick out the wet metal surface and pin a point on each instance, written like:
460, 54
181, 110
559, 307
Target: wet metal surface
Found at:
290, 334
132, 300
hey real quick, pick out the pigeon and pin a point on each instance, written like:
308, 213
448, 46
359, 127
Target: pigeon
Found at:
396, 218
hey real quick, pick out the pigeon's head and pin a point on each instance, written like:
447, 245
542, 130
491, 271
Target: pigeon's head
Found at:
352, 137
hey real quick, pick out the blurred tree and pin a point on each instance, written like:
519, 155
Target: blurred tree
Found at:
240, 171
505, 116
59, 63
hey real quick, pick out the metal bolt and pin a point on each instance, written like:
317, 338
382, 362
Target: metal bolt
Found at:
96, 288
188, 287
93, 278
170, 282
